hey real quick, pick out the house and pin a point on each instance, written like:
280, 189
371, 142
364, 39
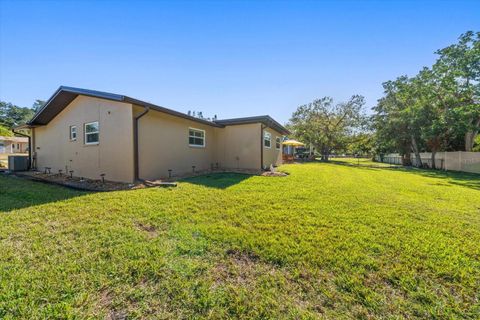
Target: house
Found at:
92, 133
11, 145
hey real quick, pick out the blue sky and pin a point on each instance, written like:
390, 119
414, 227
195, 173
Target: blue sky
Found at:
232, 59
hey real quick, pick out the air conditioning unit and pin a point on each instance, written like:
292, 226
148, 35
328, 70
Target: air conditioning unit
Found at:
18, 163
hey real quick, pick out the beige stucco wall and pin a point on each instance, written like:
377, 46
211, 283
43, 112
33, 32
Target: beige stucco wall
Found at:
112, 156
163, 145
272, 155
239, 146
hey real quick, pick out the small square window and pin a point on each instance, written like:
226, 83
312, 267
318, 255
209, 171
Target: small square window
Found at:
196, 137
92, 132
73, 133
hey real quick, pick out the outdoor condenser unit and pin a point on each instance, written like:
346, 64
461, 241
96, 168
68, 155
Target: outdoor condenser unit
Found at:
18, 163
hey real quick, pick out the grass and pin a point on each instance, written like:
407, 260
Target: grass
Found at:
328, 241
364, 162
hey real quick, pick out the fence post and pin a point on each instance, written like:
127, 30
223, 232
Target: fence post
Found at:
460, 160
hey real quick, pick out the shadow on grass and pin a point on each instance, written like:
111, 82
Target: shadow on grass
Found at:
218, 180
465, 179
375, 165
18, 193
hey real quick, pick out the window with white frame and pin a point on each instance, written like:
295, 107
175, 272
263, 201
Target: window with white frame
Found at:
267, 139
278, 143
73, 133
92, 132
196, 137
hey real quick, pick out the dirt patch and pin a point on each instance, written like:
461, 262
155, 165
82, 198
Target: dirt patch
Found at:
105, 304
117, 315
240, 268
152, 231
105, 298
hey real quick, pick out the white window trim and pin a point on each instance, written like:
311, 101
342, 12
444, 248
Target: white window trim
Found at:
204, 138
76, 133
265, 134
278, 138
85, 133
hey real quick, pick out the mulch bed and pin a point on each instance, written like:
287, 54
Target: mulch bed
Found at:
77, 182
99, 185
274, 174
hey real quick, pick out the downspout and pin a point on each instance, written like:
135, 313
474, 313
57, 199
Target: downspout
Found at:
29, 146
135, 143
262, 127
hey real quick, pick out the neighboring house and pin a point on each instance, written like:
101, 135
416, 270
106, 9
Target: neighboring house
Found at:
93, 133
9, 145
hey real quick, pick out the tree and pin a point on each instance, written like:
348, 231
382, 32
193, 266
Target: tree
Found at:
436, 108
361, 143
432, 109
5, 132
328, 126
477, 144
458, 66
12, 115
397, 120
37, 105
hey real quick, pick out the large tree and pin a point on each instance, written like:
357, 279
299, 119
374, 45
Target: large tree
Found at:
435, 109
458, 71
326, 125
5, 132
12, 115
397, 120
38, 104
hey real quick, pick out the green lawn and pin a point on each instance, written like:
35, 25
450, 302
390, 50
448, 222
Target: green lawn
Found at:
328, 241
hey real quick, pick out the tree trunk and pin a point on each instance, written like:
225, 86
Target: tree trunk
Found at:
434, 152
470, 140
418, 159
326, 153
407, 161
470, 137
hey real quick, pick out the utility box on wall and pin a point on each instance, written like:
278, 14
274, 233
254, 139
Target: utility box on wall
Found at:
18, 163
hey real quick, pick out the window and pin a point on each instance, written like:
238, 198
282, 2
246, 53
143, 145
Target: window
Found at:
278, 143
91, 133
18, 146
73, 133
267, 137
196, 137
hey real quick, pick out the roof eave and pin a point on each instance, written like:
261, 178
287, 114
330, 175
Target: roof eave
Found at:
113, 97
171, 112
265, 119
